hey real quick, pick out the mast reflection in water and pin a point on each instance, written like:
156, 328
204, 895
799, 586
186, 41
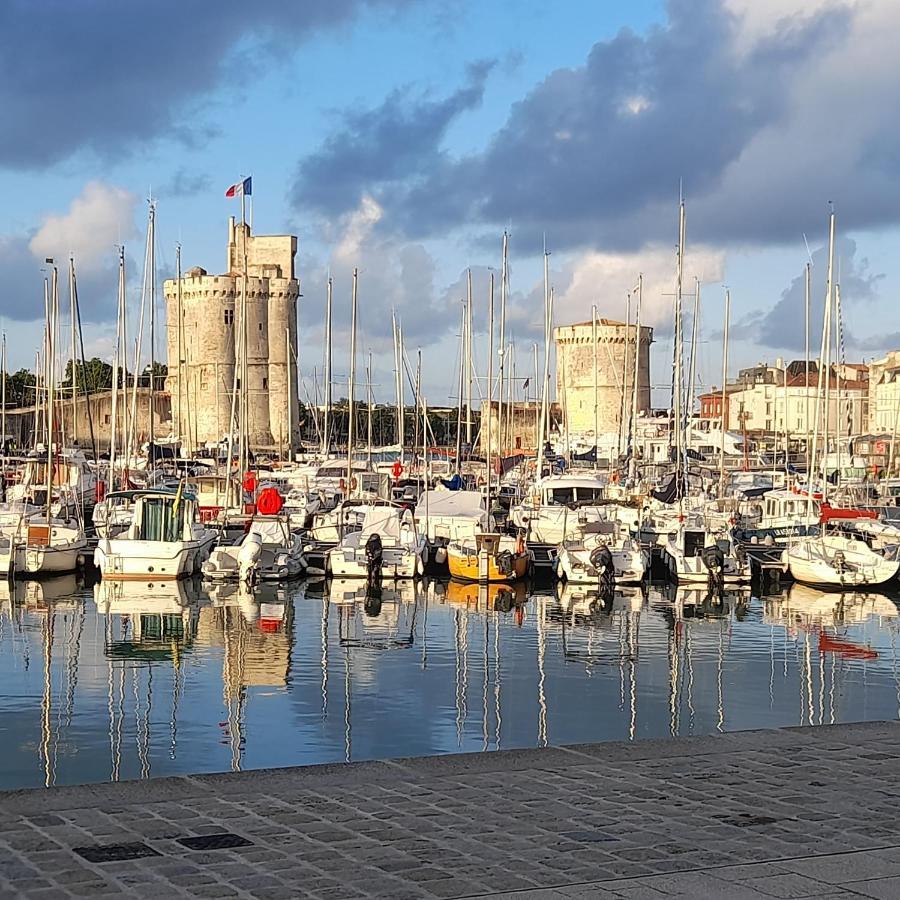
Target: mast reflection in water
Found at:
132, 680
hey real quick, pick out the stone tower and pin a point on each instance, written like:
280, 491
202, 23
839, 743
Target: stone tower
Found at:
211, 323
575, 373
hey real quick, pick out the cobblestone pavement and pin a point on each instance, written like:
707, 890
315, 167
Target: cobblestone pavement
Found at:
791, 813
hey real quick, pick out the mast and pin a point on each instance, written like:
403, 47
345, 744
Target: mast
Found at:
632, 425
369, 430
179, 339
72, 322
51, 373
351, 425
823, 365
504, 291
326, 432
401, 392
468, 355
595, 345
724, 420
120, 313
151, 242
290, 394
486, 422
677, 360
625, 367
459, 394
545, 381
3, 367
695, 334
807, 285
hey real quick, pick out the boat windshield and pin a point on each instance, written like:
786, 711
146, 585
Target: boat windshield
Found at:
160, 521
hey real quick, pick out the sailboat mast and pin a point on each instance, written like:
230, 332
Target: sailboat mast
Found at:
179, 339
545, 380
595, 345
459, 394
51, 325
692, 368
369, 397
351, 425
486, 420
326, 431
724, 417
625, 370
677, 361
632, 424
504, 289
807, 290
72, 322
468, 356
151, 241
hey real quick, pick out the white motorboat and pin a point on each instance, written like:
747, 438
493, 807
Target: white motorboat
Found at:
269, 551
692, 554
72, 479
835, 560
556, 504
164, 541
579, 559
445, 516
388, 544
114, 514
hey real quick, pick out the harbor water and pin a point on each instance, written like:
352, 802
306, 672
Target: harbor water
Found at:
132, 680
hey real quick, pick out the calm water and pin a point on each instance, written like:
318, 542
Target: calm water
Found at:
130, 681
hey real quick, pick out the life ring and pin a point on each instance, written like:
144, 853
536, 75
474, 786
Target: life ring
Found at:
269, 502
249, 482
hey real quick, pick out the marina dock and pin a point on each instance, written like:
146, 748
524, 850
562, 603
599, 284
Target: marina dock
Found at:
794, 812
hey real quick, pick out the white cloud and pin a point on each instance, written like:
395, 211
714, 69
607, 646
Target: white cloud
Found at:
98, 219
606, 279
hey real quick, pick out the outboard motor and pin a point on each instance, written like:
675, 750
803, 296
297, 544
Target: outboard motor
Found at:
374, 558
714, 560
601, 559
248, 560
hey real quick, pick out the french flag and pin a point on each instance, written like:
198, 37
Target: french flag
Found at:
241, 189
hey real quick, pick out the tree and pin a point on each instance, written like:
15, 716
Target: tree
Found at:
90, 377
160, 371
20, 388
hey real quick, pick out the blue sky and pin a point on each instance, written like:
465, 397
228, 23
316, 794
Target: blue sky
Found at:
403, 136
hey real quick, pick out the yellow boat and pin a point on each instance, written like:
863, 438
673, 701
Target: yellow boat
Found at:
487, 558
499, 595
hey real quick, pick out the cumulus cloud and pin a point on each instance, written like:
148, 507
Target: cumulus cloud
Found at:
398, 140
393, 274
98, 219
108, 77
783, 325
765, 110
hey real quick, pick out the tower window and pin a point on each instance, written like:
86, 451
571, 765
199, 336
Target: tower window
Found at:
260, 326
229, 317
265, 384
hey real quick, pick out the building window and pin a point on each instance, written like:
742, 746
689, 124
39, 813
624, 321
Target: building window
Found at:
265, 384
229, 317
106, 419
260, 326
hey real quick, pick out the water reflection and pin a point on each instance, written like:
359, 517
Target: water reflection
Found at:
133, 679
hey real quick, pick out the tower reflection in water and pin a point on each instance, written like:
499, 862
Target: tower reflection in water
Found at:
132, 680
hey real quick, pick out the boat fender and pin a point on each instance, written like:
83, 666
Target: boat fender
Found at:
269, 502
440, 555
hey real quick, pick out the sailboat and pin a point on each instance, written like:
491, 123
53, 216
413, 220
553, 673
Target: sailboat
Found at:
833, 559
488, 556
41, 544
